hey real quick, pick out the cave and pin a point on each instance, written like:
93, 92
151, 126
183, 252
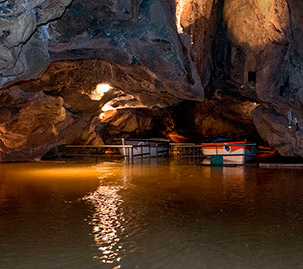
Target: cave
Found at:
171, 68
98, 72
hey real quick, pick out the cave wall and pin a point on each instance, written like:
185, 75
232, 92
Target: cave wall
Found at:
271, 48
60, 50
244, 57
256, 51
23, 37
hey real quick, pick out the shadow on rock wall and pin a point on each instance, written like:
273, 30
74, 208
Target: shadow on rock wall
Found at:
256, 52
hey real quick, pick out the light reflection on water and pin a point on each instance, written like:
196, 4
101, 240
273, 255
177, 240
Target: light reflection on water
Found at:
107, 222
149, 216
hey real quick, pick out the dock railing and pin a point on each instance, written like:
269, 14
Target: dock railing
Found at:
189, 150
96, 151
192, 151
162, 149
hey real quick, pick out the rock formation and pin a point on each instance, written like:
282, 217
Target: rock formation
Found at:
24, 37
255, 48
133, 46
242, 56
146, 50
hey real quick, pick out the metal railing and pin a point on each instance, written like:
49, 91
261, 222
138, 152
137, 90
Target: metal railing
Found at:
182, 150
192, 151
94, 151
162, 150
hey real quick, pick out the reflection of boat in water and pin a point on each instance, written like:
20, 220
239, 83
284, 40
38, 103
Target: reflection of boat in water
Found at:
265, 153
237, 152
156, 146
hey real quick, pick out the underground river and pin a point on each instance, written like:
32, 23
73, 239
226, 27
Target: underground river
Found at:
148, 215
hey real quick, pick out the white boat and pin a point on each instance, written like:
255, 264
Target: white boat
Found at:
239, 151
151, 147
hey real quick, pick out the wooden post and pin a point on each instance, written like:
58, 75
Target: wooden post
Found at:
244, 153
132, 153
256, 161
128, 154
141, 152
149, 152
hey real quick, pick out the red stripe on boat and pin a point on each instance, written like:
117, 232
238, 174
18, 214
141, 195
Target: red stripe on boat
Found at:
224, 144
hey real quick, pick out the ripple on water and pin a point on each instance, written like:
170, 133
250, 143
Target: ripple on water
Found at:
107, 223
145, 216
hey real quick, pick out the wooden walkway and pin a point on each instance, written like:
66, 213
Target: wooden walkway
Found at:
281, 165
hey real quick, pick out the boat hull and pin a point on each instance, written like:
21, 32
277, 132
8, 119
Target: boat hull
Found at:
239, 151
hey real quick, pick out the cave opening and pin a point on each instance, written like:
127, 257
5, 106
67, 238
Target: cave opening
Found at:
252, 76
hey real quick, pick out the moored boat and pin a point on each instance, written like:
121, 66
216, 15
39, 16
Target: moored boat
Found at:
236, 152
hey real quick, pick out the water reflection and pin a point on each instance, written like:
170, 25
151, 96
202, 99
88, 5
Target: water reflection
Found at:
107, 221
234, 179
174, 215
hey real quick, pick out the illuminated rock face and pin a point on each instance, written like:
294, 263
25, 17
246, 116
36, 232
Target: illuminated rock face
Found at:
256, 49
132, 45
240, 53
32, 123
270, 49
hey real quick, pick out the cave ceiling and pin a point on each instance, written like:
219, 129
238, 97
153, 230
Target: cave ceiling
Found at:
137, 41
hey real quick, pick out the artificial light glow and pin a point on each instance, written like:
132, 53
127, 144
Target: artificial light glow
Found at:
59, 172
99, 92
176, 138
101, 116
179, 10
107, 107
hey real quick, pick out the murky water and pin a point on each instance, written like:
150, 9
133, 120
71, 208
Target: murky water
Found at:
114, 215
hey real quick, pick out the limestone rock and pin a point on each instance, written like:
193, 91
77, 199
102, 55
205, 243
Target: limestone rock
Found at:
273, 128
139, 39
199, 20
229, 117
128, 123
255, 46
19, 21
33, 123
238, 52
